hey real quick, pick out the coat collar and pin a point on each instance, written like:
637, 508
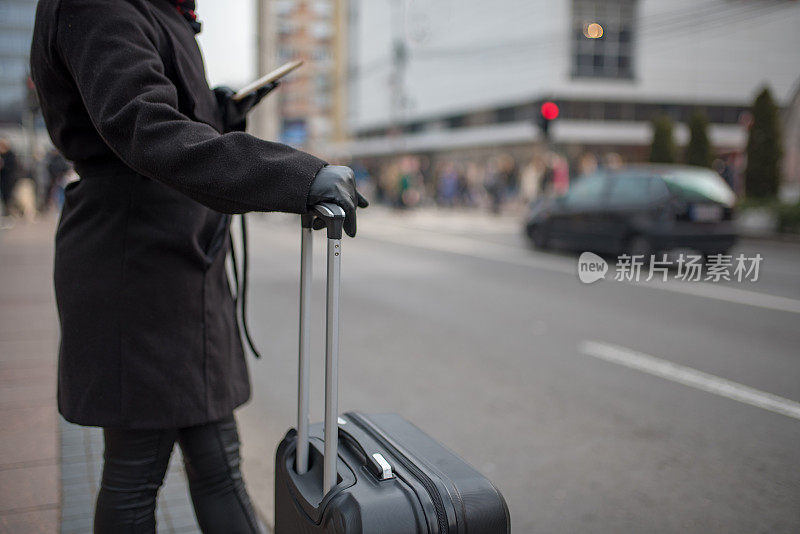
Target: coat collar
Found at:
187, 9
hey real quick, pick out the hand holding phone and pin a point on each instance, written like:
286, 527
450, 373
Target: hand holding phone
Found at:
273, 76
234, 112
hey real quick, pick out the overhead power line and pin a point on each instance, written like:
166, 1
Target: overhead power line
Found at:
689, 24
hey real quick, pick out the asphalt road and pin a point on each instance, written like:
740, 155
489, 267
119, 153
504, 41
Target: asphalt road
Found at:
546, 385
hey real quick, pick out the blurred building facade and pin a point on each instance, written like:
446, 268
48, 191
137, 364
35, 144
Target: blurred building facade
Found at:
461, 75
303, 29
16, 26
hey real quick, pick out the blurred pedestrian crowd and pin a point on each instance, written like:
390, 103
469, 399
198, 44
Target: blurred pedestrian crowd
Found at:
31, 187
497, 181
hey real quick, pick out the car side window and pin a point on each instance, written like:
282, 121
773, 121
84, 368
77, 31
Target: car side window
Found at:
587, 191
631, 190
658, 189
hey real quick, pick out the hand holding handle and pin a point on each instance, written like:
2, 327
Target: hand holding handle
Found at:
325, 215
336, 184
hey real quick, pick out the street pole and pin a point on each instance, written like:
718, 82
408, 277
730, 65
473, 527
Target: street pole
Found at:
399, 62
340, 70
265, 115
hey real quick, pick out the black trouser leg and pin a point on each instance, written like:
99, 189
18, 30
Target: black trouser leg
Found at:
211, 457
135, 463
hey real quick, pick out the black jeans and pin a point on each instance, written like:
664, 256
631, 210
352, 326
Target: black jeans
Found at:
135, 464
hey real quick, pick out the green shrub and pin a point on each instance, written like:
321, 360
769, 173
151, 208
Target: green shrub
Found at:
662, 149
762, 175
698, 151
788, 218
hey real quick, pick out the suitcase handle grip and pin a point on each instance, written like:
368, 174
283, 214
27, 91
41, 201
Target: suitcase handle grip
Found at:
375, 462
330, 216
353, 437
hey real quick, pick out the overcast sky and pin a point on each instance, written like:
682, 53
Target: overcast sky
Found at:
228, 40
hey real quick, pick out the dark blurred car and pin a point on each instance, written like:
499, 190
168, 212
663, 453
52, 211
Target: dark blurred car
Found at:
640, 209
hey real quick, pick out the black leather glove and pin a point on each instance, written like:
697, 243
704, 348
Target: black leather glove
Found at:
337, 184
234, 113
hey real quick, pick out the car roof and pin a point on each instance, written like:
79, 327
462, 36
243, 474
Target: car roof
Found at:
650, 169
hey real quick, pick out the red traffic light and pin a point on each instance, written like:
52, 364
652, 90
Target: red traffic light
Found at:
549, 111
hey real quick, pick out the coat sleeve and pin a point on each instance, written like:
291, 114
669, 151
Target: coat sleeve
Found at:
111, 51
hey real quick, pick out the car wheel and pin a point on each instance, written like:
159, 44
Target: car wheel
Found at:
538, 236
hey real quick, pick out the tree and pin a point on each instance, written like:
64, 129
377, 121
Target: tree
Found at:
762, 175
662, 149
698, 151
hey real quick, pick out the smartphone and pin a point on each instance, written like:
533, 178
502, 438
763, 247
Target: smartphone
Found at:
276, 74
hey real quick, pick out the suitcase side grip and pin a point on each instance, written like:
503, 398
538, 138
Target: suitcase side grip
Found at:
375, 463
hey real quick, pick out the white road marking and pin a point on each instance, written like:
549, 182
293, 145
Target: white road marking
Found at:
432, 240
691, 377
727, 293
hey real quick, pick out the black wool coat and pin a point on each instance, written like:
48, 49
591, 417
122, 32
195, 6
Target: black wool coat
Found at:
148, 330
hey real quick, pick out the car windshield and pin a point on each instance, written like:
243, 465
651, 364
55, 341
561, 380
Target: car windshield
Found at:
587, 190
631, 189
699, 185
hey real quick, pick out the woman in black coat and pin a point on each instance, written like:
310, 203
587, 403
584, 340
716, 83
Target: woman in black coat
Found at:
150, 347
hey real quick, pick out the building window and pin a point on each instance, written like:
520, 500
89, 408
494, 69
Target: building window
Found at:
508, 114
286, 28
286, 54
456, 121
321, 30
322, 8
322, 54
602, 38
283, 7
322, 83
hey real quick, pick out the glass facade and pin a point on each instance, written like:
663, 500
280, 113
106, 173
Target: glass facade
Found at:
591, 110
16, 28
602, 42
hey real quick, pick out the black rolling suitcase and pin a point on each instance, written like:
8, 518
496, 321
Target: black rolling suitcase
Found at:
389, 477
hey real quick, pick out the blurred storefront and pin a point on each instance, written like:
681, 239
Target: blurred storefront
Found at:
469, 76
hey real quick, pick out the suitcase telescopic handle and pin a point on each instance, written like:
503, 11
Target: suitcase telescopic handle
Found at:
329, 214
333, 218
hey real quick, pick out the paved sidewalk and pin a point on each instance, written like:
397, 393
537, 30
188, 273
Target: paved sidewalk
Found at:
50, 469
29, 453
81, 465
